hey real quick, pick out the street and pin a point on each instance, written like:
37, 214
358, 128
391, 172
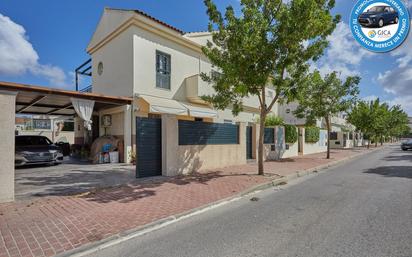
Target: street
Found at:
361, 208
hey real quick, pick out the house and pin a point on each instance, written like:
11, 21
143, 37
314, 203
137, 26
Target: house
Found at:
169, 127
343, 134
55, 128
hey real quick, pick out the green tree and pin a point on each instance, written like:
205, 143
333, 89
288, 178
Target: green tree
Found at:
268, 45
325, 97
378, 121
362, 117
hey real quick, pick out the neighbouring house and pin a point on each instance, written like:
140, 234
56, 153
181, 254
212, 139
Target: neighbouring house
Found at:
56, 128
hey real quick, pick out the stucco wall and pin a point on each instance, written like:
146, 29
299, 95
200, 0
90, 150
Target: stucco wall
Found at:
183, 159
7, 121
117, 60
292, 151
311, 148
201, 157
339, 143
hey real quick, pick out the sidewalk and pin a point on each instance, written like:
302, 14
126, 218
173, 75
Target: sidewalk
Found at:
50, 225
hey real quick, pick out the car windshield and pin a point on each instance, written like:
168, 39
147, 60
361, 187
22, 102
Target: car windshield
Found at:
377, 9
24, 141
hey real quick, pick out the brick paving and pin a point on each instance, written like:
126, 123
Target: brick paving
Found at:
45, 226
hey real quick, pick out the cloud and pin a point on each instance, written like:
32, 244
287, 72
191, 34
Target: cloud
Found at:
18, 57
404, 53
344, 54
370, 98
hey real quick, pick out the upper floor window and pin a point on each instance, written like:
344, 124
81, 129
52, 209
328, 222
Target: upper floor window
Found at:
162, 70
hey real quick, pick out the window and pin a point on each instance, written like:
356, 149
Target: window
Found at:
41, 124
162, 70
215, 75
333, 136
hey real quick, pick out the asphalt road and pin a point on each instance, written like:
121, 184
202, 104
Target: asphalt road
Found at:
362, 208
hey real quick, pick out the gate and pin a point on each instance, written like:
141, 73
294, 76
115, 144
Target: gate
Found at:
148, 147
249, 151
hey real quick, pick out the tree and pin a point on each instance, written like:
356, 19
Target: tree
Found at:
266, 46
325, 97
377, 120
362, 117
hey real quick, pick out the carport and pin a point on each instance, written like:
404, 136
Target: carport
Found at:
18, 98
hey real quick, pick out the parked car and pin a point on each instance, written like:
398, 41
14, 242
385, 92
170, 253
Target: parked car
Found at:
379, 16
36, 150
407, 145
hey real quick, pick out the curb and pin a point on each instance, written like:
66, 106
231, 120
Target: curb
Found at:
144, 229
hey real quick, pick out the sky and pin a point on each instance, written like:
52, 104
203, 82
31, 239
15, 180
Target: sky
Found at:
43, 41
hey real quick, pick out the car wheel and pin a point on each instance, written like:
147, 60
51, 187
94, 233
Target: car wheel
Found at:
381, 23
396, 20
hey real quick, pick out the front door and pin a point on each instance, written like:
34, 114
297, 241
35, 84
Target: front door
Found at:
249, 146
300, 141
148, 147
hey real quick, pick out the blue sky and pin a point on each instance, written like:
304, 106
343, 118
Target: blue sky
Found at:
44, 41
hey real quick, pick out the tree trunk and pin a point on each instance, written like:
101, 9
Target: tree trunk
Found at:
328, 142
260, 146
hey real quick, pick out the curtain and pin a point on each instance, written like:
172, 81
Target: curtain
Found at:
84, 108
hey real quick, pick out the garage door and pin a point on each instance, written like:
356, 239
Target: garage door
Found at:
149, 147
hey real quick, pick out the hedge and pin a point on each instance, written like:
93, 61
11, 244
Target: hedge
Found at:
291, 134
312, 134
273, 120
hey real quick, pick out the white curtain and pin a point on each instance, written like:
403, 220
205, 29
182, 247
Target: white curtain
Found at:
84, 108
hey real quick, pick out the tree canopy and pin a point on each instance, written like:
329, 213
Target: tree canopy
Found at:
265, 46
325, 97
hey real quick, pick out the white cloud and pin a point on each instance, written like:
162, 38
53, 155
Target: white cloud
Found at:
404, 52
344, 54
17, 55
370, 98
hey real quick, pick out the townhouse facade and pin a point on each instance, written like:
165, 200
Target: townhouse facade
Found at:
168, 128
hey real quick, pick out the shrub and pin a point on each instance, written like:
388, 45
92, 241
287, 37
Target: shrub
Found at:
312, 134
273, 120
291, 134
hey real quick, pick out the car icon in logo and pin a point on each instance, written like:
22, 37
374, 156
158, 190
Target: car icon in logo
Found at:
379, 16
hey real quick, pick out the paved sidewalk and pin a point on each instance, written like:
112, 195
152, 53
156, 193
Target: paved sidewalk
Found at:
46, 226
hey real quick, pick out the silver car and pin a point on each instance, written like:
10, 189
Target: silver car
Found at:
36, 150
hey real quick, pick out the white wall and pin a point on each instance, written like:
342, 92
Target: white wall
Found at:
291, 152
117, 59
311, 148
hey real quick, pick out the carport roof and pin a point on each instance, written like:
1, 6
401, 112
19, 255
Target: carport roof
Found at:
49, 101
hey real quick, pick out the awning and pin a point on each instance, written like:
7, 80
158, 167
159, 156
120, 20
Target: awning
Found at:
202, 112
164, 105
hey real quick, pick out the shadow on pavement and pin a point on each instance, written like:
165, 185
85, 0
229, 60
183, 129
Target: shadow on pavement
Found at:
392, 171
146, 187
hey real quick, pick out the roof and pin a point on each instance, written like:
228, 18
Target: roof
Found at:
115, 20
49, 101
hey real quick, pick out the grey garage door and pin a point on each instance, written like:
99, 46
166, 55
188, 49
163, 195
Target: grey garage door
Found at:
149, 147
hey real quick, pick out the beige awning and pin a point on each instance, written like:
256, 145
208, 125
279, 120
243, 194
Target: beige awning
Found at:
198, 111
164, 105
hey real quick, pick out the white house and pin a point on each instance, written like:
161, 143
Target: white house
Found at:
136, 55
